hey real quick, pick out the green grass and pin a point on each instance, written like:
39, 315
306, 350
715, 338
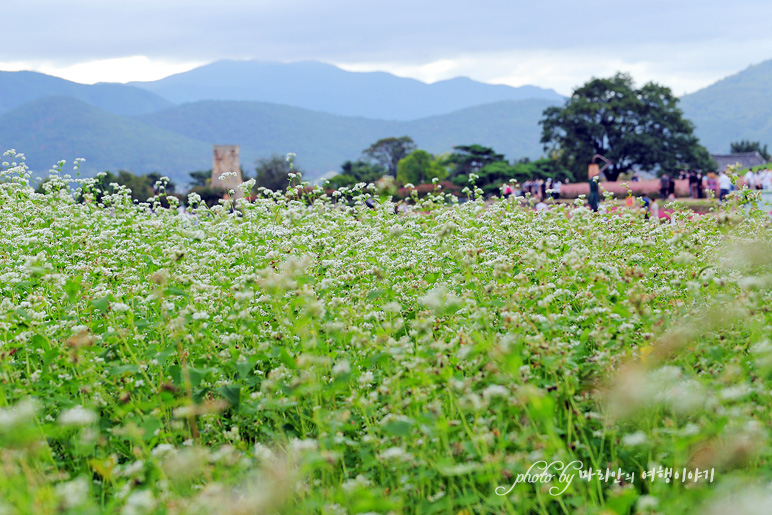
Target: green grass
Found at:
341, 359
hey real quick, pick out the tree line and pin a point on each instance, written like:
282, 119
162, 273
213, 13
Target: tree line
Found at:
639, 129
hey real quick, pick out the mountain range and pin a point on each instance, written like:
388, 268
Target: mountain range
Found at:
324, 87
736, 108
322, 113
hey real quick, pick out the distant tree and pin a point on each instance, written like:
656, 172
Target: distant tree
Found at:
632, 127
141, 186
200, 178
155, 181
739, 147
209, 195
389, 151
493, 175
468, 159
362, 171
419, 167
353, 172
273, 173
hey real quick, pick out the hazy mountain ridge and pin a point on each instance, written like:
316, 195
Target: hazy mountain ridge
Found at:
178, 140
327, 88
49, 129
17, 88
738, 107
323, 141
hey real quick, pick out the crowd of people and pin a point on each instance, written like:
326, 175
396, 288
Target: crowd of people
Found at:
700, 185
537, 188
758, 179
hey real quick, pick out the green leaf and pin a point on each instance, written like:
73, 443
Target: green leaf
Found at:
122, 369
232, 394
101, 304
459, 469
288, 360
398, 427
73, 286
197, 375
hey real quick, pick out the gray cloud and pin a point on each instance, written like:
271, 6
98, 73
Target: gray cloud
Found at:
399, 31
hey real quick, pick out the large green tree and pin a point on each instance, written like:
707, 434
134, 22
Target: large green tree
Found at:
419, 167
353, 172
634, 128
389, 151
468, 159
738, 147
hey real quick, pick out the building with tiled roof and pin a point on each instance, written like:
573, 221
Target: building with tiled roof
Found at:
746, 159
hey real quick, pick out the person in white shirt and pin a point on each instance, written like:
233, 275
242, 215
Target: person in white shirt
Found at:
765, 179
724, 185
556, 189
750, 179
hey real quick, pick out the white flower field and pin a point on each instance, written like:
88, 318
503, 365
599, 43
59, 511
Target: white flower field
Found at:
311, 353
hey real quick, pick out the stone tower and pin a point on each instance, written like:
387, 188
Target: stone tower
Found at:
226, 159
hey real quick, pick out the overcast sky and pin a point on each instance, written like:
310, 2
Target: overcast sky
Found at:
558, 44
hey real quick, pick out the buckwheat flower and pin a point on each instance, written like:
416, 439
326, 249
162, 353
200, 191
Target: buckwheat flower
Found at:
200, 315
73, 494
395, 454
352, 485
366, 379
77, 416
690, 429
263, 453
647, 502
21, 413
495, 390
302, 446
736, 392
341, 367
434, 299
119, 307
635, 439
139, 502
163, 450
133, 469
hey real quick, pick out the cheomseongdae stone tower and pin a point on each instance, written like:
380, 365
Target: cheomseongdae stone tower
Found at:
226, 159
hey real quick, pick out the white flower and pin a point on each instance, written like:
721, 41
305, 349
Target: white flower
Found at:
495, 390
647, 502
139, 503
735, 392
19, 414
73, 493
119, 307
635, 439
395, 454
163, 450
301, 446
341, 367
77, 416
